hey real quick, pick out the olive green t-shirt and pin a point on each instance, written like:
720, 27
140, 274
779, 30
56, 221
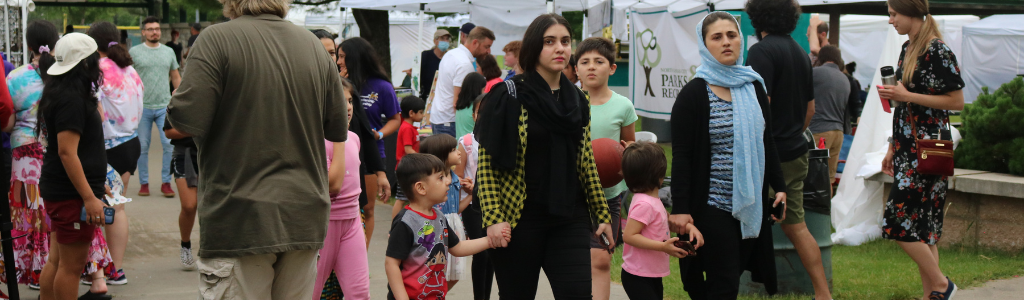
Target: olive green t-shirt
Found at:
260, 96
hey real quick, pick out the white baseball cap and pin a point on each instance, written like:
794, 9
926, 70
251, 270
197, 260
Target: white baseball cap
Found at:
71, 49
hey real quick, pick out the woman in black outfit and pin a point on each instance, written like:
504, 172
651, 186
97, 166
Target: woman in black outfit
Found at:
75, 162
547, 193
724, 154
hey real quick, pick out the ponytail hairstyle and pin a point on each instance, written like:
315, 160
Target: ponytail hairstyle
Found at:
41, 37
107, 37
920, 42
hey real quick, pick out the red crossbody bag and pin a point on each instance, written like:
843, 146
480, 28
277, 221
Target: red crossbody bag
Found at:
934, 156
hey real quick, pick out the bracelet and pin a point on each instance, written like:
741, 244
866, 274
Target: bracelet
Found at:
380, 135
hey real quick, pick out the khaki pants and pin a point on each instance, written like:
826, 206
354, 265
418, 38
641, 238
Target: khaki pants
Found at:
834, 144
277, 276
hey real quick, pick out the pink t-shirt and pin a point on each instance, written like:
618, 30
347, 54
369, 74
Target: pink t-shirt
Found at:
642, 262
345, 204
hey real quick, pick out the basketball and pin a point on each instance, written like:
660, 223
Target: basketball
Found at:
608, 157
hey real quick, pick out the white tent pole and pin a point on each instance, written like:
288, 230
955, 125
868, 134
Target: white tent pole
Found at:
585, 32
551, 6
24, 27
7, 30
419, 41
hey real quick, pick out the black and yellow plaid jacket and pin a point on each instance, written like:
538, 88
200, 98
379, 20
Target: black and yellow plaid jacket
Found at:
502, 194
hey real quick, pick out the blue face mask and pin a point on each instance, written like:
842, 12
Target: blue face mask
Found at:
443, 46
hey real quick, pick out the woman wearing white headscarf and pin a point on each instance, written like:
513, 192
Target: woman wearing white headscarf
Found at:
724, 154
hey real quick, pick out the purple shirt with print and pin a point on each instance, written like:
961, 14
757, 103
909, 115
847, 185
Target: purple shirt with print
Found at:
379, 100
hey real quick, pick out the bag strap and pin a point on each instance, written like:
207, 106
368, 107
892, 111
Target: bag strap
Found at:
913, 123
511, 88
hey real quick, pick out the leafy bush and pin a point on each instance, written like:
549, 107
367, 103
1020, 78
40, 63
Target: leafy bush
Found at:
993, 131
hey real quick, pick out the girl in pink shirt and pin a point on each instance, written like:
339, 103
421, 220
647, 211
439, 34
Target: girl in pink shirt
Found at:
344, 250
648, 246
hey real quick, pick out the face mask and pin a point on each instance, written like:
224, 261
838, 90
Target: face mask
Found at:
443, 46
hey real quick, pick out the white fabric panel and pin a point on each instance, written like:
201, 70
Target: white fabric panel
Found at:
664, 56
598, 17
992, 53
619, 22
857, 206
406, 49
507, 25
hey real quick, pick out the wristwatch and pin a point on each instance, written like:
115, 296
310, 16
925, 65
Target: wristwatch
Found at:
889, 139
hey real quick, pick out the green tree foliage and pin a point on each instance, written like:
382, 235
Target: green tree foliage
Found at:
992, 136
208, 9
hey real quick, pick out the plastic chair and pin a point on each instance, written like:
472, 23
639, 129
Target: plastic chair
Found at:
646, 136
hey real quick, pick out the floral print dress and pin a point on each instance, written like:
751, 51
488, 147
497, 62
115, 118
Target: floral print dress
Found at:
916, 203
27, 211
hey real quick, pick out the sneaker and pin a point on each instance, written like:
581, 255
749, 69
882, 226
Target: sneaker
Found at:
947, 295
33, 286
950, 290
166, 189
119, 280
144, 191
187, 262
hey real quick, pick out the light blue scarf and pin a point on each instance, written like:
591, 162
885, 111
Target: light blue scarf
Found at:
748, 133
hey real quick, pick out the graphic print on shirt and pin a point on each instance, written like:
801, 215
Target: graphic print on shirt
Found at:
369, 99
426, 234
434, 281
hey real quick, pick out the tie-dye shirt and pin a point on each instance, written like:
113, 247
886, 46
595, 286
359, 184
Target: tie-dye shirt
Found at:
26, 88
121, 95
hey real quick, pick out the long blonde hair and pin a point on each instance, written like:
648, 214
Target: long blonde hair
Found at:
920, 42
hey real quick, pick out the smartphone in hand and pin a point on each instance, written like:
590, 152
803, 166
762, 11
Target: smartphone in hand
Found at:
778, 210
108, 215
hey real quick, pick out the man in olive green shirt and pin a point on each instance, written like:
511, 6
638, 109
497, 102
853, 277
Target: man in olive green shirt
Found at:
260, 97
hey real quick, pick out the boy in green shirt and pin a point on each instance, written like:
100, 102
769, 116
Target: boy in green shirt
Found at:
611, 116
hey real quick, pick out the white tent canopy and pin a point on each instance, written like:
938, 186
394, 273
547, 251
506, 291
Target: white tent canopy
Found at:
992, 53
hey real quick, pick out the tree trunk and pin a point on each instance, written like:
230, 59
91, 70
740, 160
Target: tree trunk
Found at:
373, 26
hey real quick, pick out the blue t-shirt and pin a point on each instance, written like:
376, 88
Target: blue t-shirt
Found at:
380, 102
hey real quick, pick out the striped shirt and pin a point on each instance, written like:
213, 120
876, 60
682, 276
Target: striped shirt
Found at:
721, 129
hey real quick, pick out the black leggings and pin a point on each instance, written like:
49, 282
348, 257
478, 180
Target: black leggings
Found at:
560, 245
483, 270
642, 288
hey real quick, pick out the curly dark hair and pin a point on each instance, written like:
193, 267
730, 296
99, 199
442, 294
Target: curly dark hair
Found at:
773, 16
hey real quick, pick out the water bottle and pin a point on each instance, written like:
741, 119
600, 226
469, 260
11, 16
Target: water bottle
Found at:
889, 78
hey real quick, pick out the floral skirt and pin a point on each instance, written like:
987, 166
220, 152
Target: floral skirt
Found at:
915, 208
28, 215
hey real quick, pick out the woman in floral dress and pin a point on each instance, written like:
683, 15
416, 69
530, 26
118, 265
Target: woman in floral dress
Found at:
27, 211
930, 86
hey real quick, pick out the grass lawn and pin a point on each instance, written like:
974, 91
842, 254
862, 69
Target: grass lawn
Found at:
880, 270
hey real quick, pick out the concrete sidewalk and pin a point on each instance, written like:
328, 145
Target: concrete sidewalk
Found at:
154, 268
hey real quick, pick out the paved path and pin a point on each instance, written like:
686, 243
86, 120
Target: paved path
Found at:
154, 268
154, 271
